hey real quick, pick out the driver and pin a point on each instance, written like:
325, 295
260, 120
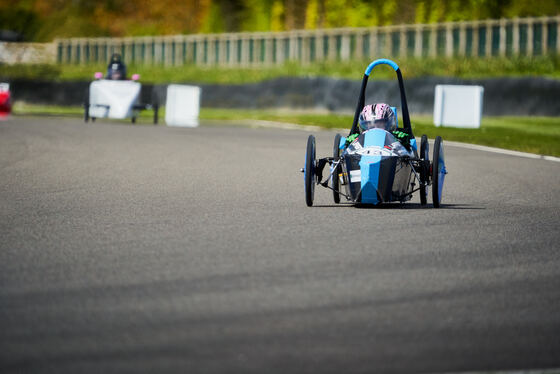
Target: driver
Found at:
116, 69
380, 116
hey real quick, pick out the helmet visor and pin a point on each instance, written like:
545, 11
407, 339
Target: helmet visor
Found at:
382, 123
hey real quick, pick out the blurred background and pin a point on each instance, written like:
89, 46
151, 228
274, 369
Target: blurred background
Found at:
288, 57
44, 20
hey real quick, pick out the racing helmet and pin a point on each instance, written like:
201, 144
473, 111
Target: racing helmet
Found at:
377, 116
116, 69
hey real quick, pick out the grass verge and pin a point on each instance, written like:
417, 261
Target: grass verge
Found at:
539, 135
548, 66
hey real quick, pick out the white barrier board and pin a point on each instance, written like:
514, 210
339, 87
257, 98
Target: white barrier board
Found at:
458, 106
182, 105
113, 99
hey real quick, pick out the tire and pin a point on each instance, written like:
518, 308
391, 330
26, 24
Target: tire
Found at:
133, 119
86, 106
336, 171
309, 171
156, 110
438, 172
424, 169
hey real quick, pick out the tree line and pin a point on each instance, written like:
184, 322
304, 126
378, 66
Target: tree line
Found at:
43, 20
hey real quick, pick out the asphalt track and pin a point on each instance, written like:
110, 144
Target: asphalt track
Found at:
152, 249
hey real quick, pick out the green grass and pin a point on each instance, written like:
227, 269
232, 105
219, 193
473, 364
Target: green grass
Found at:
548, 66
527, 134
539, 135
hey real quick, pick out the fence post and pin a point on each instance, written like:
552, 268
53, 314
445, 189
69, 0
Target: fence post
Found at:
332, 46
515, 37
418, 41
544, 34
244, 51
169, 45
488, 40
345, 47
502, 37
558, 34
530, 38
433, 40
359, 51
448, 40
293, 46
232, 50
476, 40
373, 41
85, 47
462, 39
210, 50
268, 51
403, 42
222, 52
388, 47
319, 44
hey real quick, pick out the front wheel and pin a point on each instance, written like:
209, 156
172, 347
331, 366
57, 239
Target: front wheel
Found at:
309, 171
438, 172
424, 169
336, 170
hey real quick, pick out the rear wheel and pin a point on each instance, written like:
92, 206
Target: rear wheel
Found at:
156, 110
309, 171
438, 172
424, 169
336, 170
86, 106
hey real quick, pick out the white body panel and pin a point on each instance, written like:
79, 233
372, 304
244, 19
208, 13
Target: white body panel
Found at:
113, 99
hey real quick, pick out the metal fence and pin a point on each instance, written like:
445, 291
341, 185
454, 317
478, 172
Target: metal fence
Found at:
504, 37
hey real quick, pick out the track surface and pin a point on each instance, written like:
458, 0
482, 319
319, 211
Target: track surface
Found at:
151, 249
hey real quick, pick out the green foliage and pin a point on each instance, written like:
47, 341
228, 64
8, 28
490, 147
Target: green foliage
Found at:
214, 21
21, 20
277, 16
43, 20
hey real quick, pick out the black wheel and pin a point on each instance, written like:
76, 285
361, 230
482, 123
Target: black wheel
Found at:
133, 119
92, 119
156, 109
336, 171
86, 106
309, 171
424, 169
438, 172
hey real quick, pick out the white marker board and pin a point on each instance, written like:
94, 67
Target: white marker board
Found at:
182, 105
458, 106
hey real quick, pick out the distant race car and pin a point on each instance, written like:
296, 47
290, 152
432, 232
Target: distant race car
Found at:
373, 165
115, 96
5, 100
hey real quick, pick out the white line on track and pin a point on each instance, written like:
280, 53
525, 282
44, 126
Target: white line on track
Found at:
502, 151
292, 126
528, 371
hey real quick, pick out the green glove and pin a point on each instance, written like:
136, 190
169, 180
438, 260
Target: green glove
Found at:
403, 137
351, 138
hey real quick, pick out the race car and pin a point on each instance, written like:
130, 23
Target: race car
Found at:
5, 100
115, 96
378, 162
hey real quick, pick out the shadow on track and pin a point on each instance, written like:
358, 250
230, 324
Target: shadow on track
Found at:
401, 206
